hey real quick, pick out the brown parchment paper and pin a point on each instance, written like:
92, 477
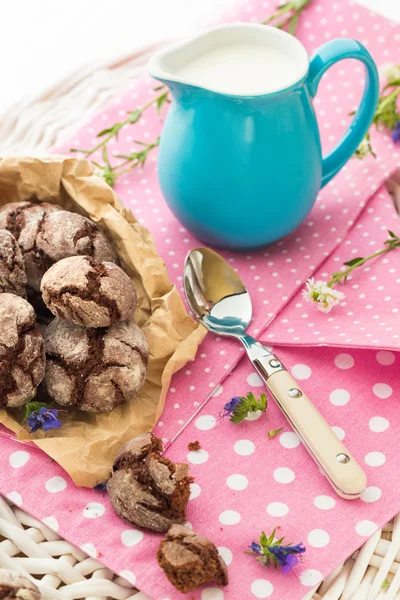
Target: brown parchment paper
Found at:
87, 443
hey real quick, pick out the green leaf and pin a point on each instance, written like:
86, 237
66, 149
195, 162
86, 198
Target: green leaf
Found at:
33, 407
392, 234
134, 116
385, 584
273, 432
105, 131
353, 261
158, 88
161, 100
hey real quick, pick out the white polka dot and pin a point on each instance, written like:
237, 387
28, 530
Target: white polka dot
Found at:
255, 380
131, 537
371, 494
89, 549
195, 490
51, 522
19, 459
226, 554
366, 528
375, 459
277, 509
339, 397
324, 502
284, 475
218, 390
93, 510
262, 588
338, 431
129, 576
205, 422
244, 447
386, 358
344, 361
212, 594
229, 517
15, 497
318, 538
56, 484
378, 424
382, 390
301, 371
237, 482
311, 577
197, 457
289, 440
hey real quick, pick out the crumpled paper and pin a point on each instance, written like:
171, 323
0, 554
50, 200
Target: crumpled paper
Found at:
86, 444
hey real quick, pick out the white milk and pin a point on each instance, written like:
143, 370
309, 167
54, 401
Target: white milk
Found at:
242, 69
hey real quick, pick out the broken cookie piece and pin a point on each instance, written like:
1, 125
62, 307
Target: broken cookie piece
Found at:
147, 489
80, 290
189, 560
14, 586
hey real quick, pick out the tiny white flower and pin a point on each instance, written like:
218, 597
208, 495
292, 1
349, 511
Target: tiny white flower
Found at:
391, 72
323, 295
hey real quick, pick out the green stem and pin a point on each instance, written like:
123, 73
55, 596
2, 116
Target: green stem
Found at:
281, 11
121, 124
337, 277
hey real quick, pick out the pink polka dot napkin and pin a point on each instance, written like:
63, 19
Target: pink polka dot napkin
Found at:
243, 481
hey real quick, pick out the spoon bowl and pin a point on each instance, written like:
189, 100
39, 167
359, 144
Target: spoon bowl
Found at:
216, 294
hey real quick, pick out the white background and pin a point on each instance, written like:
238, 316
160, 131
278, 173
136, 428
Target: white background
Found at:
42, 41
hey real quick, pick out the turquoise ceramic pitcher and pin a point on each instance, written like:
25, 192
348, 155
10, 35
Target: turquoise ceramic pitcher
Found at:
242, 171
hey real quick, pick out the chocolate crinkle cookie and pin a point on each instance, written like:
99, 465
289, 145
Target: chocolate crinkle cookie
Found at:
12, 270
47, 234
22, 356
80, 290
189, 560
147, 489
24, 220
95, 370
14, 586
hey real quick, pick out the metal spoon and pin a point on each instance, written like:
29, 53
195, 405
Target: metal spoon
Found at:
220, 301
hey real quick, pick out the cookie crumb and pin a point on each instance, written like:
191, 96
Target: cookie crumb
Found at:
194, 446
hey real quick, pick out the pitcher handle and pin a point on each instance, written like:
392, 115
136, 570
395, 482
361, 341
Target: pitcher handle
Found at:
326, 56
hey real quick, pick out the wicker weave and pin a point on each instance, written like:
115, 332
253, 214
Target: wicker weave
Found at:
59, 569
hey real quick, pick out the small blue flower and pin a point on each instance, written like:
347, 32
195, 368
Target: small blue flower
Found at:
286, 555
45, 418
271, 551
291, 562
256, 548
396, 133
230, 406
